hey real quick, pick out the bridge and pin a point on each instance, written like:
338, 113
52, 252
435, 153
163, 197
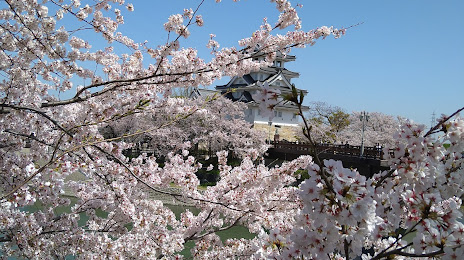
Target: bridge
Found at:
368, 164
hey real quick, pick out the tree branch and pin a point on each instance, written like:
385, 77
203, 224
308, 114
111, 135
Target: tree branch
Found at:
42, 113
437, 126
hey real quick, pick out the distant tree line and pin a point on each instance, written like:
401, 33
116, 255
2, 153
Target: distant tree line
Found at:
332, 124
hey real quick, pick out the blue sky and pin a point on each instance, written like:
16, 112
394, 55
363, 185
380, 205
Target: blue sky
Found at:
406, 58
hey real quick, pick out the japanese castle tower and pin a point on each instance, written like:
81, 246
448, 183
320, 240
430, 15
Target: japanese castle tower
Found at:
285, 121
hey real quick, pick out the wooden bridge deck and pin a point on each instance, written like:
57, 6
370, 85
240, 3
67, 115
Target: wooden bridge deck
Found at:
342, 149
350, 155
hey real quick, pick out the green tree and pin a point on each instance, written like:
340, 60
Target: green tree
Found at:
327, 121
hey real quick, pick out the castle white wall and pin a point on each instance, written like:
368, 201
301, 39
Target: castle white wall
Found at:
281, 117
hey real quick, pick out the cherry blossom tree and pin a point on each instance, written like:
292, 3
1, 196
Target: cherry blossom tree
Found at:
218, 124
379, 129
332, 215
331, 124
41, 57
411, 211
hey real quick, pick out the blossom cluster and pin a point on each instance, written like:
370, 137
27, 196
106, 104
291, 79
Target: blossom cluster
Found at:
267, 99
413, 209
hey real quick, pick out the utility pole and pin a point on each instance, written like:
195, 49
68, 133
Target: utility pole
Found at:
364, 117
433, 122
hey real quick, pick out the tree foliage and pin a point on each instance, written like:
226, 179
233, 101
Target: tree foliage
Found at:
379, 128
217, 124
327, 121
331, 124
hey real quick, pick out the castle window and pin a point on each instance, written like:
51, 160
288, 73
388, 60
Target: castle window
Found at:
278, 63
236, 94
277, 113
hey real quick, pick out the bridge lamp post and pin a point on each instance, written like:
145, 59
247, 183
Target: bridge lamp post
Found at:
270, 124
364, 117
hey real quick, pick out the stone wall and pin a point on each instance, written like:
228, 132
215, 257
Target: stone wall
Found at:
285, 132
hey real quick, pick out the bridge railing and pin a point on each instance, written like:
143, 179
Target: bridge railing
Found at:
341, 149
